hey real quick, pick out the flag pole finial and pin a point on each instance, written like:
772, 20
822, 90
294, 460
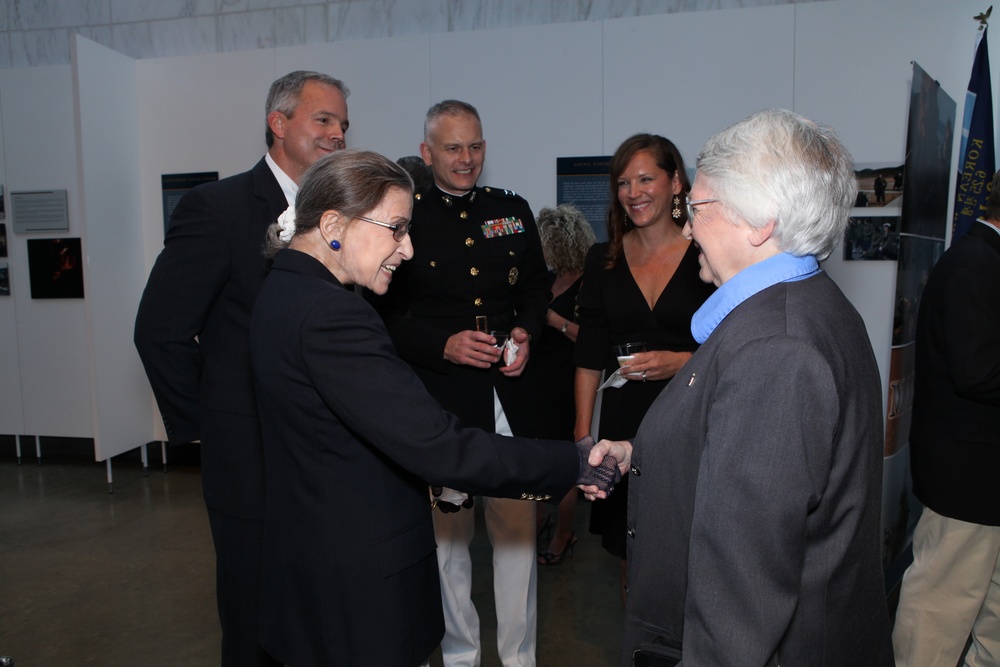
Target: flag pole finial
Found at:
983, 18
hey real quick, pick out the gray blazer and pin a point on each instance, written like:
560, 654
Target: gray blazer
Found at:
754, 508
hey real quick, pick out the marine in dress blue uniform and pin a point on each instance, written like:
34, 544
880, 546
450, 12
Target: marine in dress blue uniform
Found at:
476, 253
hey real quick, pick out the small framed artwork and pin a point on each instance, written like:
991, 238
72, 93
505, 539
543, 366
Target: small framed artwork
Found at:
872, 237
55, 268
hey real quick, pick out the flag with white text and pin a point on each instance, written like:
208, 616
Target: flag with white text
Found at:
977, 161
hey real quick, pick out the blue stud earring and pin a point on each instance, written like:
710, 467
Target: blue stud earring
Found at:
335, 244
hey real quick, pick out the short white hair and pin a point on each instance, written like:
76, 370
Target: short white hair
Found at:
777, 165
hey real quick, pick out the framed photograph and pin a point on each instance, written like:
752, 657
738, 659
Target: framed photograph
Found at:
879, 185
872, 237
55, 268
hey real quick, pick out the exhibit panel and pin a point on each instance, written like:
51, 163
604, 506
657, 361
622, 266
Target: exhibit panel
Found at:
50, 345
105, 89
11, 414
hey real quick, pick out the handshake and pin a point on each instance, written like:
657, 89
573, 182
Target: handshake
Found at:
601, 467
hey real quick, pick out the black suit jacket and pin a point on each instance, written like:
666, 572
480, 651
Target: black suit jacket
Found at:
351, 440
955, 433
192, 330
460, 270
754, 504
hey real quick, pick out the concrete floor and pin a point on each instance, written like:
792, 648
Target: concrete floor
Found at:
127, 579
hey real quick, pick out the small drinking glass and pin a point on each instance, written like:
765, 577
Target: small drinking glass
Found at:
501, 337
626, 351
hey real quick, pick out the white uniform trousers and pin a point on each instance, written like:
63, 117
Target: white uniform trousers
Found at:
951, 590
510, 525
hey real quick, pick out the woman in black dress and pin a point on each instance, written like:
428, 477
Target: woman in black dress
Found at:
640, 286
566, 237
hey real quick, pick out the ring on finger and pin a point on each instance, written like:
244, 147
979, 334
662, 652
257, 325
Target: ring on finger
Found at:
644, 376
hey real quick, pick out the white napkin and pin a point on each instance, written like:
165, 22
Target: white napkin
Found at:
452, 496
510, 349
616, 380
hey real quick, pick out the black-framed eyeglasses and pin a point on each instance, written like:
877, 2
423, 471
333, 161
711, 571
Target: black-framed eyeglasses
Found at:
399, 231
697, 202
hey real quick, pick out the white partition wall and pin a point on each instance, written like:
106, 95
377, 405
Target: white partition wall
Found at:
49, 346
197, 113
108, 149
687, 76
11, 414
388, 80
539, 92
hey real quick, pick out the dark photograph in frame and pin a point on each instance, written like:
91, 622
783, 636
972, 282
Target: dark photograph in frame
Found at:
872, 237
55, 268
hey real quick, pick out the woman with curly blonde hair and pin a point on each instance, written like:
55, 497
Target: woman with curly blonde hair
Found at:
566, 237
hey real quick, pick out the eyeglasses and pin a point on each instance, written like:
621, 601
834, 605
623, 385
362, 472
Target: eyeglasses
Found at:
399, 231
697, 202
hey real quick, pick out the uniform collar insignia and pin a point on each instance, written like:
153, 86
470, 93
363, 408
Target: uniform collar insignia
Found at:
450, 199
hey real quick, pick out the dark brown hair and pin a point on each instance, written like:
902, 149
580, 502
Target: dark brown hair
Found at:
667, 158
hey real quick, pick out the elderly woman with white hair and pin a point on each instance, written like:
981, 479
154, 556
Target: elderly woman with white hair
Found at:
753, 518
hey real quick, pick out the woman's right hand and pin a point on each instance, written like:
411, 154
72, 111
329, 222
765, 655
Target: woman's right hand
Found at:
654, 365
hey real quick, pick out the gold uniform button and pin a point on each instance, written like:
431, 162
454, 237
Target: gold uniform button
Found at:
510, 252
463, 215
478, 301
470, 242
433, 263
417, 196
474, 271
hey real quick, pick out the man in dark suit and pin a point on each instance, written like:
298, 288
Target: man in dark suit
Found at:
477, 254
192, 333
952, 588
753, 515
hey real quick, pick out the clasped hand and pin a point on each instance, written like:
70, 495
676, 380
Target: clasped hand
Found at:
608, 461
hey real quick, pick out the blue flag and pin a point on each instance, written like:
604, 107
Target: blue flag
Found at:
977, 161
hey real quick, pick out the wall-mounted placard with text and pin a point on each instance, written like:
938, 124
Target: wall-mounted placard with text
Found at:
39, 211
